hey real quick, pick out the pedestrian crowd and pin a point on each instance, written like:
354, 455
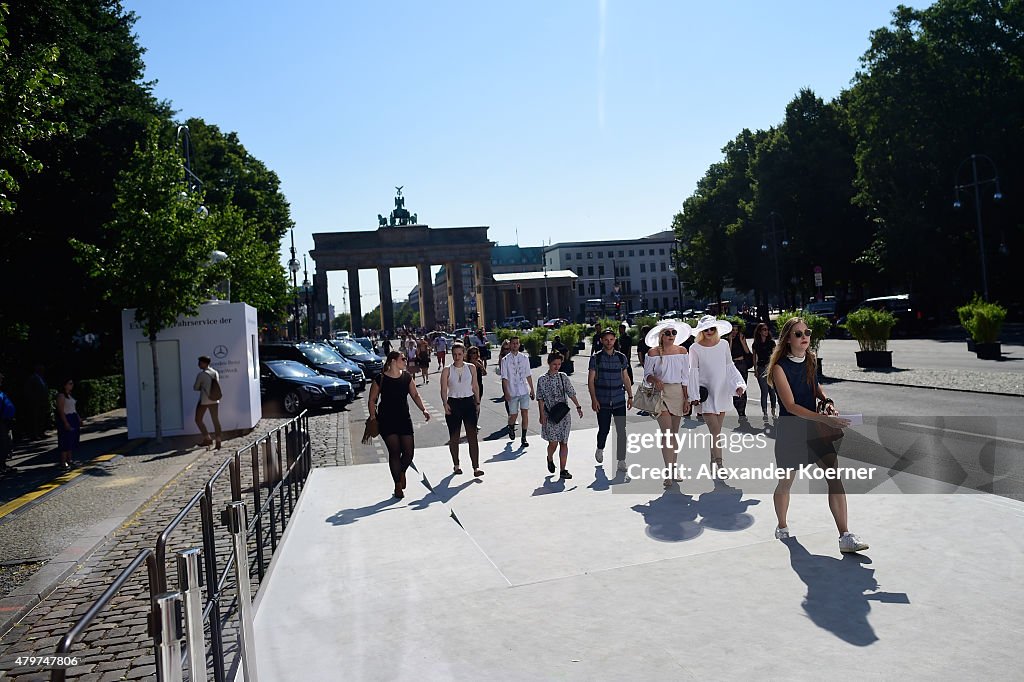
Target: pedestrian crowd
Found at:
686, 371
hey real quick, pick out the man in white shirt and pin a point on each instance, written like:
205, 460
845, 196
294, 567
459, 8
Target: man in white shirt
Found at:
441, 349
517, 384
207, 402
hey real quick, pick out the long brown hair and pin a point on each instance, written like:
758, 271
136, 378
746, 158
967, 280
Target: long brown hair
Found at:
782, 348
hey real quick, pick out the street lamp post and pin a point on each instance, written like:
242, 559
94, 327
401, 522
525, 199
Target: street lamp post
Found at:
976, 185
293, 266
775, 253
192, 181
305, 289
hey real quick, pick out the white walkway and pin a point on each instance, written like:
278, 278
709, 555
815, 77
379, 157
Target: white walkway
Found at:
518, 576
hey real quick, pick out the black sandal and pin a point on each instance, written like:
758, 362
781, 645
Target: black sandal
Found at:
457, 471
551, 466
565, 474
478, 472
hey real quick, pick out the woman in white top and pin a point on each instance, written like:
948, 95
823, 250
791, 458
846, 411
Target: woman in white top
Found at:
69, 424
460, 394
715, 372
667, 368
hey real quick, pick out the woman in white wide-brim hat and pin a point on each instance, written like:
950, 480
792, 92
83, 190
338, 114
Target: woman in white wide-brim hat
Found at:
714, 371
667, 368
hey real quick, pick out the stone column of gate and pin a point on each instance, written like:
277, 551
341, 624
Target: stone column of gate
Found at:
427, 317
353, 302
486, 293
456, 295
320, 301
387, 306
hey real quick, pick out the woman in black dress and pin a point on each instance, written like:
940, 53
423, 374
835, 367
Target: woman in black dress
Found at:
395, 386
798, 441
763, 347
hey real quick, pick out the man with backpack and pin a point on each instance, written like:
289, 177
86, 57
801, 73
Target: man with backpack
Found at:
208, 385
6, 418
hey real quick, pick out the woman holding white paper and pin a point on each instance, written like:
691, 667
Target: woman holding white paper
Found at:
799, 439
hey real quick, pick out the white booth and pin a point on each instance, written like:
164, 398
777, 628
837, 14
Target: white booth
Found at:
227, 333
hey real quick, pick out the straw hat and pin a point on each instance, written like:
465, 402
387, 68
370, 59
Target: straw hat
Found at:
683, 332
709, 322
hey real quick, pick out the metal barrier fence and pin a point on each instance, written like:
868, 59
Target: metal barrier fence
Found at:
179, 615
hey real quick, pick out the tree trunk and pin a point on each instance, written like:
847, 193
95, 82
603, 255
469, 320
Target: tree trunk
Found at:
156, 388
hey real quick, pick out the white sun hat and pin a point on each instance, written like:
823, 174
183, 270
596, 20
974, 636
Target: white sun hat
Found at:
709, 322
683, 332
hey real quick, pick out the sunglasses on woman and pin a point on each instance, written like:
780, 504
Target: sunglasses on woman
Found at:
800, 334
669, 332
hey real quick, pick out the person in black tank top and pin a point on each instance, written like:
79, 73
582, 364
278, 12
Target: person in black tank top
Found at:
797, 443
394, 387
762, 348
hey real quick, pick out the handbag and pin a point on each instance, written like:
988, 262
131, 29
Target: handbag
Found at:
826, 433
748, 361
557, 412
648, 398
371, 430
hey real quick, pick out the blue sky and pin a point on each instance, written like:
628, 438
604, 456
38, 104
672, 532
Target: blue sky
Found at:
551, 120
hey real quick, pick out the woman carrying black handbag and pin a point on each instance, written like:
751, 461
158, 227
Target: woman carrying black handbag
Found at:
744, 361
554, 390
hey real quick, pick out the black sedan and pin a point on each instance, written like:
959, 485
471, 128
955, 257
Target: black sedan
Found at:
298, 387
371, 364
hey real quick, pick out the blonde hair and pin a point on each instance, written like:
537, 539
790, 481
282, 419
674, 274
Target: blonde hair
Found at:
782, 348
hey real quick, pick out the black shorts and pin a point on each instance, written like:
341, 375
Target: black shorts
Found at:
463, 412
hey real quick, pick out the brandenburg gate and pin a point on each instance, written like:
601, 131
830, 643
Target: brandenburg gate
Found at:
402, 242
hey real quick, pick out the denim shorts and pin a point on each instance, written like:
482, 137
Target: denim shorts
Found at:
518, 402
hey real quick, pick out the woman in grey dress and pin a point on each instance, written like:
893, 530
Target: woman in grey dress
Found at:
552, 388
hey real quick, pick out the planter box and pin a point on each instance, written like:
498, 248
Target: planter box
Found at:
567, 366
544, 349
970, 345
988, 351
874, 359
534, 361
581, 346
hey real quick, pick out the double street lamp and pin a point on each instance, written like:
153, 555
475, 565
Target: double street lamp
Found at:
976, 184
774, 236
293, 266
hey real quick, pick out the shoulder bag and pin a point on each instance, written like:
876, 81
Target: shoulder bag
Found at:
557, 412
648, 398
824, 433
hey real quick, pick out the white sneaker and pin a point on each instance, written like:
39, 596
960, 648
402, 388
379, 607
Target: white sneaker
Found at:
599, 455
622, 466
782, 533
851, 543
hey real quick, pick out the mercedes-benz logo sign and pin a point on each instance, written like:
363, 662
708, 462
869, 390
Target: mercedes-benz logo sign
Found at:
220, 352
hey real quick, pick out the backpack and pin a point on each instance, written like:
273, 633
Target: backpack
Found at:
215, 392
6, 407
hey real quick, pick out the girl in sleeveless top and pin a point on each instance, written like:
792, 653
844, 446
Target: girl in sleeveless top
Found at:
793, 373
460, 394
394, 387
69, 424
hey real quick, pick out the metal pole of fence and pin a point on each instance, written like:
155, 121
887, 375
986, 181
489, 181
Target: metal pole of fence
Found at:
210, 554
234, 518
190, 580
257, 509
168, 637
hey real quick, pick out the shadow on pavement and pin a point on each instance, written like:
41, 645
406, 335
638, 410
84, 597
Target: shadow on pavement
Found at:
836, 597
345, 517
670, 518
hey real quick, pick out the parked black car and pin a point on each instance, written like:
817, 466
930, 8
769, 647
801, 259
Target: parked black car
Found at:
913, 315
318, 356
371, 364
298, 387
367, 343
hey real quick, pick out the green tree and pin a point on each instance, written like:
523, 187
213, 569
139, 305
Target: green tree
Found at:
29, 102
371, 320
342, 322
106, 104
157, 245
937, 85
711, 215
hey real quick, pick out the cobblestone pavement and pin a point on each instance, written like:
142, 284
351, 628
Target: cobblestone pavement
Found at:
117, 646
951, 379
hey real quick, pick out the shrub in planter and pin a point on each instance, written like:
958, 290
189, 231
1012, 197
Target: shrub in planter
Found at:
99, 395
872, 329
818, 325
570, 336
983, 321
533, 341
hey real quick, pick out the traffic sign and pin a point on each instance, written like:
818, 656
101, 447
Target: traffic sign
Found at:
817, 279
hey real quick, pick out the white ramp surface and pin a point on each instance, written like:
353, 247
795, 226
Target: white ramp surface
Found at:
519, 576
